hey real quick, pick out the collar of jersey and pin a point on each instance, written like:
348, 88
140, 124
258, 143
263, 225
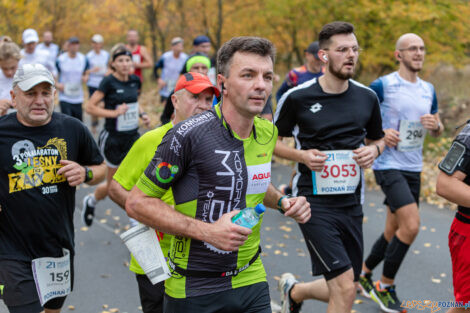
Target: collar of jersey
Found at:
219, 115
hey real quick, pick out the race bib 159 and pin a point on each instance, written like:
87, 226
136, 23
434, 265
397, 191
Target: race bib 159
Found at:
341, 174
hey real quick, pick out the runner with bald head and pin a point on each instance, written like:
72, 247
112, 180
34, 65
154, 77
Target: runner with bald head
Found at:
409, 110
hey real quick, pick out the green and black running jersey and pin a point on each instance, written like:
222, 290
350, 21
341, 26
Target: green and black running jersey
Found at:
212, 173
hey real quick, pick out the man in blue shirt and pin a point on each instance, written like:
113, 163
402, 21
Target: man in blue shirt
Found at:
409, 110
311, 69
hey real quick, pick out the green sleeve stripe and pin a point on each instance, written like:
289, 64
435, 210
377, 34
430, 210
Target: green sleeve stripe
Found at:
149, 188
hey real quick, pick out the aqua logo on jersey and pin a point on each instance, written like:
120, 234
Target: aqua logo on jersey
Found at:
165, 172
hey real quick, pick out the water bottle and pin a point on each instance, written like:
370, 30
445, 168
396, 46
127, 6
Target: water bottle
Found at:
249, 217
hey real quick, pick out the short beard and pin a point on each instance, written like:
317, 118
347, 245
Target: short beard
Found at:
338, 74
410, 67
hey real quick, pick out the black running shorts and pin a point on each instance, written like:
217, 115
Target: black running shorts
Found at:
400, 187
114, 146
249, 299
334, 239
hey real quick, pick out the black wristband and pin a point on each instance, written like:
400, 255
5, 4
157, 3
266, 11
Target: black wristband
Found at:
378, 150
279, 203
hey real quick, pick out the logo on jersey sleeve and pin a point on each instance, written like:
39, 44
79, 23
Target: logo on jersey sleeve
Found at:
37, 166
315, 108
165, 172
259, 178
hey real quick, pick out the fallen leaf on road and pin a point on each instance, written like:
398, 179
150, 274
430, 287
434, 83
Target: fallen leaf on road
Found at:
285, 254
285, 228
438, 246
433, 230
264, 254
302, 240
103, 221
84, 228
280, 244
107, 212
140, 308
267, 228
416, 251
105, 306
365, 219
427, 244
423, 228
276, 252
268, 246
286, 236
71, 307
289, 222
372, 204
357, 301
443, 275
435, 280
116, 218
114, 310
380, 210
126, 264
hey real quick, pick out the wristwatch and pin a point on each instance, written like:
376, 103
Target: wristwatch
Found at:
88, 174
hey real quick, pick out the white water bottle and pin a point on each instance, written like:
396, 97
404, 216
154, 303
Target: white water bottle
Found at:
249, 217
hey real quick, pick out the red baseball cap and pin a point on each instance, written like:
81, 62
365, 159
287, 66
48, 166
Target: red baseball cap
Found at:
195, 83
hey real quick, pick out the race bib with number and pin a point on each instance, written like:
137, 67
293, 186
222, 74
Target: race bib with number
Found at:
341, 174
412, 135
72, 89
52, 276
130, 119
136, 58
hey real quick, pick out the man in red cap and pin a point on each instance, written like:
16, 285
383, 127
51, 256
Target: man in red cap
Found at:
193, 94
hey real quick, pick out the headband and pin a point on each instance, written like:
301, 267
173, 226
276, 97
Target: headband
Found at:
198, 59
123, 52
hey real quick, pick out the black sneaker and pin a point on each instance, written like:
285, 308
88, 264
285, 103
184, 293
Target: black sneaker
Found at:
366, 286
387, 299
285, 285
88, 211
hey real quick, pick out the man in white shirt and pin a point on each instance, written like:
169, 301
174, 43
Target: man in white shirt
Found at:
31, 55
49, 46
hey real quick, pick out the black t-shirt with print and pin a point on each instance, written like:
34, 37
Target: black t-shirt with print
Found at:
117, 92
37, 204
323, 121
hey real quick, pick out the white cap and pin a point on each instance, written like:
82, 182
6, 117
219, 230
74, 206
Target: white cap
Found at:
30, 35
29, 75
97, 38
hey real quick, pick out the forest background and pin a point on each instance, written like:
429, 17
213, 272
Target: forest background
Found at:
291, 25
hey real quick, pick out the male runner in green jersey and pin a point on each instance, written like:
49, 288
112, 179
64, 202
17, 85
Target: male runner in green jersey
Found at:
217, 163
193, 94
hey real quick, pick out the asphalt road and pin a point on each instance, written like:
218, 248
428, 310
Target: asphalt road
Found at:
103, 282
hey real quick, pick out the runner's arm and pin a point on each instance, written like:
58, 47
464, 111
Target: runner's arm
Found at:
92, 107
296, 207
452, 188
223, 234
76, 173
117, 193
433, 123
312, 158
365, 156
146, 61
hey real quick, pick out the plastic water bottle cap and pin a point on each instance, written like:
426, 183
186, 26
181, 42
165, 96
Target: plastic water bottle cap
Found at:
260, 208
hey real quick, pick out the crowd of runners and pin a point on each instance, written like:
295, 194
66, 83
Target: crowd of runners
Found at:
210, 158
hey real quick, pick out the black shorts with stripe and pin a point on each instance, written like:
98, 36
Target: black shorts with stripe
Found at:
334, 240
115, 145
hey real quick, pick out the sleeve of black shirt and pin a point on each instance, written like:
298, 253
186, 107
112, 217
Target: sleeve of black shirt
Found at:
285, 117
89, 152
374, 126
104, 85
